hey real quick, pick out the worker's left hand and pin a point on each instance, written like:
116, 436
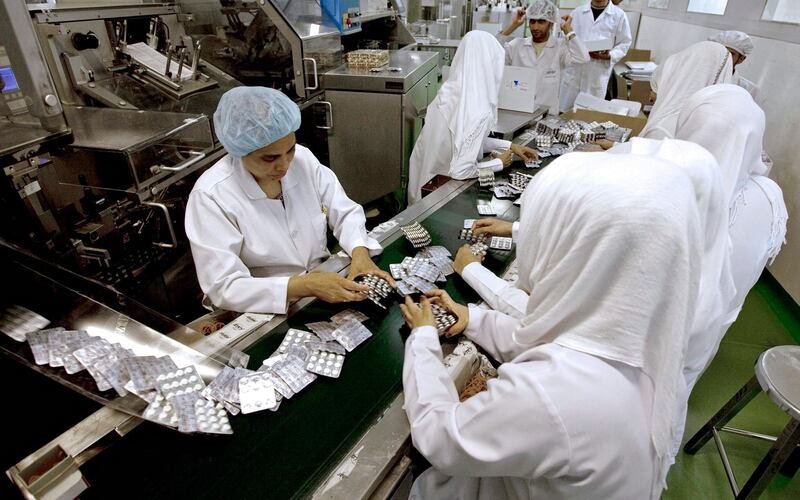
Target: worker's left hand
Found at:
506, 157
464, 257
362, 264
527, 154
461, 311
600, 54
417, 315
566, 26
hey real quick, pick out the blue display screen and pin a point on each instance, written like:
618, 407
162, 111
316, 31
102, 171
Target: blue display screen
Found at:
9, 79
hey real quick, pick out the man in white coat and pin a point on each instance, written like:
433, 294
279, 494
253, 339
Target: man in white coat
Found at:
597, 20
544, 50
257, 220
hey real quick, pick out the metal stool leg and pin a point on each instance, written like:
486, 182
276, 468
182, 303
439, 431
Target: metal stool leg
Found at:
723, 416
772, 462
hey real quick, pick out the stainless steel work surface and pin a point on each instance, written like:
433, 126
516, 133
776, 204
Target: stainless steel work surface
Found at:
120, 129
509, 122
413, 65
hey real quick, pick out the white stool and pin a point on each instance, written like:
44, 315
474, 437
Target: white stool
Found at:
778, 375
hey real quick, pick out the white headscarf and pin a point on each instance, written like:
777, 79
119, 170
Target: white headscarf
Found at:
610, 253
468, 99
726, 121
681, 75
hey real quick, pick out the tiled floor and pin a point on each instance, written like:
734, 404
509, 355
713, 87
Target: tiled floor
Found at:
701, 476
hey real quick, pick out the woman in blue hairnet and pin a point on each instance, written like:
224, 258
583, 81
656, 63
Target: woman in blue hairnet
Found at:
257, 219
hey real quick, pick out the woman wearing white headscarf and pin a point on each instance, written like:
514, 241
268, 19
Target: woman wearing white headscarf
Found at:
587, 395
681, 75
458, 121
726, 121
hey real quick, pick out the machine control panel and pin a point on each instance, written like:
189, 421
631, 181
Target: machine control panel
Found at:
13, 101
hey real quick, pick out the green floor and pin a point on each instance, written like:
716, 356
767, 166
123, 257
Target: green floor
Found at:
767, 320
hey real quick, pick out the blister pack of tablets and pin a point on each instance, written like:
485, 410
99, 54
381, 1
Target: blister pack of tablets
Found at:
379, 288
351, 334
500, 243
444, 319
256, 392
417, 235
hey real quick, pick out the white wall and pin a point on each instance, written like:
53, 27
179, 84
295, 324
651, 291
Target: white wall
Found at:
775, 66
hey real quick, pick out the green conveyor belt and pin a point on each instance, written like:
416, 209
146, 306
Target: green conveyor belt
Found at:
286, 454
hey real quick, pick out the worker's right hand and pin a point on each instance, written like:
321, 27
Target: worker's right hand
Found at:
492, 227
506, 157
465, 257
461, 311
329, 287
604, 143
417, 315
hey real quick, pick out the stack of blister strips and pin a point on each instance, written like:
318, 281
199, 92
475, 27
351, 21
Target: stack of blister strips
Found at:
417, 235
419, 273
468, 235
520, 180
379, 288
367, 58
485, 177
444, 319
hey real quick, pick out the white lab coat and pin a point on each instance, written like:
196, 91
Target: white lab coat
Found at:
557, 55
246, 245
534, 433
757, 234
433, 154
593, 76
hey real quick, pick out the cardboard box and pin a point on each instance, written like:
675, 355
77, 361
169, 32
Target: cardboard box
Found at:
635, 123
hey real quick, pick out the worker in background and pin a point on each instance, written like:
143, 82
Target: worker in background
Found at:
544, 49
740, 46
257, 220
609, 254
597, 20
681, 75
457, 125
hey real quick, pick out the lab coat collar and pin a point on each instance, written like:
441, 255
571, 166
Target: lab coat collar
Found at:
551, 41
250, 185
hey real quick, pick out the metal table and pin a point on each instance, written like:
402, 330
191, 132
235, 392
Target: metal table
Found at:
509, 122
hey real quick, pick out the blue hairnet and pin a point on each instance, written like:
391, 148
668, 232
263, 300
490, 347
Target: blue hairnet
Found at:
249, 118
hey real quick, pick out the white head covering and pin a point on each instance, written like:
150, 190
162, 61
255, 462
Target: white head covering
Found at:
543, 9
468, 99
612, 255
681, 75
736, 40
726, 121
717, 288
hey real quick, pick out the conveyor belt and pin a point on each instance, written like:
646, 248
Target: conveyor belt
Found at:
288, 453
285, 454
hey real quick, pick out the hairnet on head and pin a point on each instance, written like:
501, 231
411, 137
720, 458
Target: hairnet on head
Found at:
543, 9
736, 40
249, 118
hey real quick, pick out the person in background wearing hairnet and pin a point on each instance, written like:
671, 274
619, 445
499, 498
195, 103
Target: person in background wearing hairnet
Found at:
740, 46
257, 220
597, 20
544, 50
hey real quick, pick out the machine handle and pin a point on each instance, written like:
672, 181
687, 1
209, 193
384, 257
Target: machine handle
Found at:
167, 216
329, 113
316, 79
197, 156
